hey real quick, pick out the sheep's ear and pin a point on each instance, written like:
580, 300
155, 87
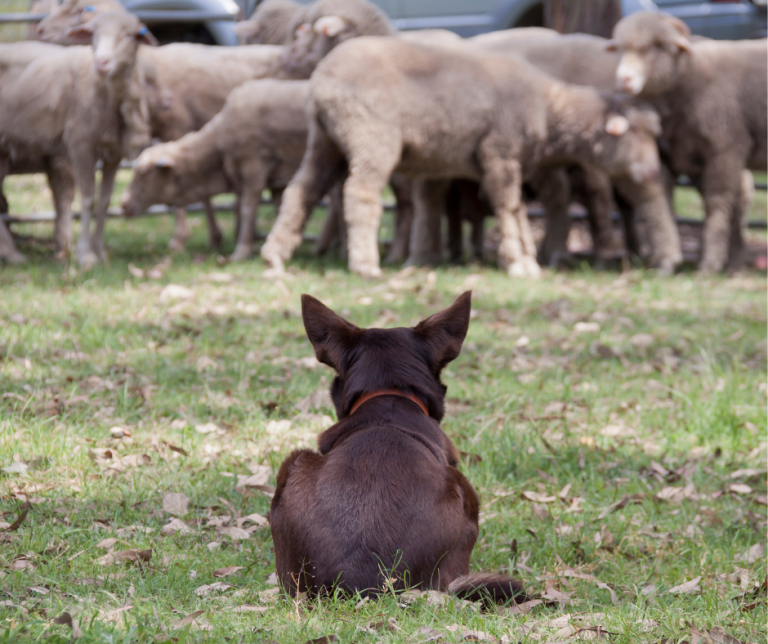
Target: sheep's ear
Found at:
611, 45
616, 125
684, 44
165, 162
683, 40
332, 337
145, 37
330, 26
303, 28
81, 33
444, 332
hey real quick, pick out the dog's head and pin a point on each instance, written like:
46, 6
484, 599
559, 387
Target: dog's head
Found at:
368, 360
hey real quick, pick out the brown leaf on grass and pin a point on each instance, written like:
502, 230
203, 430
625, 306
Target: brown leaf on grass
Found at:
738, 488
563, 494
592, 633
65, 619
676, 494
114, 614
226, 572
752, 555
7, 603
538, 498
761, 499
22, 564
746, 474
552, 594
687, 588
175, 448
234, 533
255, 518
521, 609
247, 608
207, 588
189, 619
541, 512
175, 526
176, 503
427, 634
389, 625
716, 636
259, 476
125, 556
19, 519
325, 639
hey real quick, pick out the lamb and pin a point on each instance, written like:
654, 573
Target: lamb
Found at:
379, 105
712, 99
85, 105
583, 60
187, 85
257, 141
269, 25
69, 14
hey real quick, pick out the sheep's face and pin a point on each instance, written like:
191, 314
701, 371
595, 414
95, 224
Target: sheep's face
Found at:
70, 14
652, 46
155, 181
312, 42
629, 145
115, 37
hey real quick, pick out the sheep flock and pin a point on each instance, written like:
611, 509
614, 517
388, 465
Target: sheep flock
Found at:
328, 100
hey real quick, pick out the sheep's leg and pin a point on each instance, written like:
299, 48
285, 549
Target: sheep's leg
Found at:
651, 206
180, 231
503, 183
454, 212
255, 179
62, 184
322, 165
8, 250
369, 172
553, 190
108, 173
214, 232
597, 198
737, 247
721, 189
85, 168
330, 235
402, 187
426, 244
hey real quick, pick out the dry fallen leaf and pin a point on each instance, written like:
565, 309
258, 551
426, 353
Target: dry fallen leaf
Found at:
247, 608
65, 619
125, 556
752, 555
208, 428
176, 292
686, 588
19, 519
738, 488
176, 526
176, 503
107, 544
234, 533
541, 512
216, 585
676, 494
226, 572
189, 619
538, 498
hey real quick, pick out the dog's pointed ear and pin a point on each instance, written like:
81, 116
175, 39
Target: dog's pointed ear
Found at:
444, 332
331, 335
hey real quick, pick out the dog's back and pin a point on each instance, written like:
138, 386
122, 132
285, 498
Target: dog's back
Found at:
382, 503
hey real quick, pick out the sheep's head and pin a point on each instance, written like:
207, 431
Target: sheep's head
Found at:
652, 46
269, 25
628, 146
70, 14
156, 180
312, 42
115, 37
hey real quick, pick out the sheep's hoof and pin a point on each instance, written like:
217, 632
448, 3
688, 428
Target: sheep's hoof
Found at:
368, 272
524, 267
15, 258
241, 253
176, 245
87, 260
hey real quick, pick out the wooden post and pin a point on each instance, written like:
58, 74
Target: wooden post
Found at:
596, 17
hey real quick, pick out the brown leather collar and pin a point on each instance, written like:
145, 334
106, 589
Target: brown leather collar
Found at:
388, 392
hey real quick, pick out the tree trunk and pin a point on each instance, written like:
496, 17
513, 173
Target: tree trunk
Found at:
596, 17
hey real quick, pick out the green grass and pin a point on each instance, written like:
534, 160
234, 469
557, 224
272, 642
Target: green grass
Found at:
581, 378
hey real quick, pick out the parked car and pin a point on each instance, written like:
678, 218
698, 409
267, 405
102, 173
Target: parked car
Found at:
723, 19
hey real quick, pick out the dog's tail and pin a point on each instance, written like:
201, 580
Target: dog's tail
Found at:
488, 587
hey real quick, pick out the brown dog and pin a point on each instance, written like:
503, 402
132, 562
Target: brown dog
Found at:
382, 502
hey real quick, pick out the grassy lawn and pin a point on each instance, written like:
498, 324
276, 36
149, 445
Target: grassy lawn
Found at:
613, 424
